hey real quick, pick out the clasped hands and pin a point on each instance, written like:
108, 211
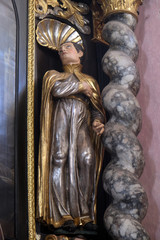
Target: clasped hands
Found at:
97, 125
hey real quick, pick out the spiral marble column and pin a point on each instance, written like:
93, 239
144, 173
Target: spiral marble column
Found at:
120, 179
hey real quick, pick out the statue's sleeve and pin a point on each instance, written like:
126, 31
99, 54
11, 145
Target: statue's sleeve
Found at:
66, 87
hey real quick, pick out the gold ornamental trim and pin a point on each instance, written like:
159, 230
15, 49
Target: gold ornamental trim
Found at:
30, 121
119, 6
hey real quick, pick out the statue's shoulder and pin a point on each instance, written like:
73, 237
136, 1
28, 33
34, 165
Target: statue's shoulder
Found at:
55, 75
51, 73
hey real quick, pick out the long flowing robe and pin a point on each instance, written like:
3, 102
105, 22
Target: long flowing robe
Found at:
70, 154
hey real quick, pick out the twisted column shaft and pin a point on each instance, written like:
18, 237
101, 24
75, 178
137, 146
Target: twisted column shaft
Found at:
120, 179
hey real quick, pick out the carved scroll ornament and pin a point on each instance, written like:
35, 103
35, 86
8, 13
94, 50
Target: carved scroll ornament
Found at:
65, 9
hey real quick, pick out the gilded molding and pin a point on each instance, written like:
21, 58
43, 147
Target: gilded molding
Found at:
66, 9
119, 6
30, 121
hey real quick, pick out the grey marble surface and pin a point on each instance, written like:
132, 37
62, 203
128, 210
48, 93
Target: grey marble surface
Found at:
120, 178
125, 18
121, 37
121, 69
126, 151
122, 226
123, 107
129, 196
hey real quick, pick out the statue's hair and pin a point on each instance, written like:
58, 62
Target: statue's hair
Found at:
78, 47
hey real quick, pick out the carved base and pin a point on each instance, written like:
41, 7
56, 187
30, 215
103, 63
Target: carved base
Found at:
60, 234
60, 237
54, 237
63, 237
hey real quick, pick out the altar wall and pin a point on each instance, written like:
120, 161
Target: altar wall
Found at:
148, 35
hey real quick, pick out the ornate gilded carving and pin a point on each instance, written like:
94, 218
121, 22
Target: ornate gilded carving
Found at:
101, 9
30, 122
115, 6
98, 23
65, 9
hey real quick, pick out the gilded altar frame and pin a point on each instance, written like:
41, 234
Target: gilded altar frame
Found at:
30, 120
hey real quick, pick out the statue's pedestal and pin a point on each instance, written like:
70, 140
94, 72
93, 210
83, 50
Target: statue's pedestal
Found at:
60, 234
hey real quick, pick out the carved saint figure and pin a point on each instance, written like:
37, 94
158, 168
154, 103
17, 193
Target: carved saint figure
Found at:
70, 152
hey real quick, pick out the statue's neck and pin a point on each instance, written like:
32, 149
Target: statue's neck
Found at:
71, 68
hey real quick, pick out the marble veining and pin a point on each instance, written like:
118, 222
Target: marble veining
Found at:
121, 68
125, 18
126, 151
120, 178
121, 37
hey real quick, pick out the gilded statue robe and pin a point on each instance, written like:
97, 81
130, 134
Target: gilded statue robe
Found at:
70, 154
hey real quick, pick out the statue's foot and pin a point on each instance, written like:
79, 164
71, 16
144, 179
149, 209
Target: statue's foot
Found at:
90, 226
69, 226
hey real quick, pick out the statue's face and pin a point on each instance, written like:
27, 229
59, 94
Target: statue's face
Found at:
69, 55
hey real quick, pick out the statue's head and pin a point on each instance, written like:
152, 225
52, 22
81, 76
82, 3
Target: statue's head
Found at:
70, 53
61, 37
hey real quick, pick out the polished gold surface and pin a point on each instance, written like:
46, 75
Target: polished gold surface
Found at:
30, 122
52, 33
98, 22
65, 9
119, 6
